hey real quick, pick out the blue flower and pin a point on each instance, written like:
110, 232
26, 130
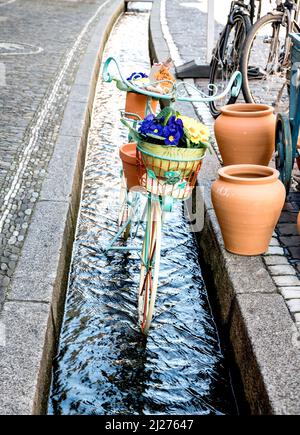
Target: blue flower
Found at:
156, 129
147, 124
173, 131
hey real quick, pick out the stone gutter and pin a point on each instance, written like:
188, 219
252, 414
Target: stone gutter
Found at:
32, 313
253, 314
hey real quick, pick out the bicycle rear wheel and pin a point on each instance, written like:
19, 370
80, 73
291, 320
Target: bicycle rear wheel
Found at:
264, 64
226, 60
150, 265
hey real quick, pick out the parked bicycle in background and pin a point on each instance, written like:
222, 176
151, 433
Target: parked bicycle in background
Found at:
266, 58
226, 56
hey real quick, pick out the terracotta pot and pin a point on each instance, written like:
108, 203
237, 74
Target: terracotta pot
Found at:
129, 162
136, 103
298, 223
248, 200
245, 133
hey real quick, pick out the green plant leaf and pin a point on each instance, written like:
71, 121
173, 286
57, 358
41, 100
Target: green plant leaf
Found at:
164, 112
154, 136
133, 133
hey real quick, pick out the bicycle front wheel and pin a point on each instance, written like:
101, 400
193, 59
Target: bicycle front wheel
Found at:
150, 265
265, 64
226, 60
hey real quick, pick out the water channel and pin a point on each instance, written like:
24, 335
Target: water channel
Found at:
104, 364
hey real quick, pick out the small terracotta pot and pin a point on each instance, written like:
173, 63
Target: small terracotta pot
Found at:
248, 200
130, 164
245, 133
298, 223
137, 103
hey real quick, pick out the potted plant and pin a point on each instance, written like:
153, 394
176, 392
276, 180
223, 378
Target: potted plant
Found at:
171, 148
139, 104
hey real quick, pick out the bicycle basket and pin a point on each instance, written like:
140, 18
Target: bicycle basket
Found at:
170, 171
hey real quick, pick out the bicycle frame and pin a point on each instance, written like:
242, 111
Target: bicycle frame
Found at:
294, 114
247, 9
291, 12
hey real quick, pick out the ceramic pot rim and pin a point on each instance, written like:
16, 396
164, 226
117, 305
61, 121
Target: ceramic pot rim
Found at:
265, 174
128, 153
247, 110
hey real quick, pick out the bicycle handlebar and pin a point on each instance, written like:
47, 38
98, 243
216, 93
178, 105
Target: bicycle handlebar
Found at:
179, 90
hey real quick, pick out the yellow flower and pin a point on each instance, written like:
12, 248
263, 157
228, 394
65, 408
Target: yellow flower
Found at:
197, 132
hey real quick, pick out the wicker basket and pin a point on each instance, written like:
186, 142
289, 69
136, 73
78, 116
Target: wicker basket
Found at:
170, 171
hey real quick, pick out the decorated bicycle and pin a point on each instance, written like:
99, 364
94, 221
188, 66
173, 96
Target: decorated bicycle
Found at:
160, 163
287, 125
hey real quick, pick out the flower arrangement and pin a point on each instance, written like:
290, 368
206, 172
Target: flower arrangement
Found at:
170, 128
159, 80
162, 74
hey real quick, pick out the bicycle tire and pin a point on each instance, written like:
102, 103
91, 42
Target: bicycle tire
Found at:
284, 150
267, 19
215, 62
150, 266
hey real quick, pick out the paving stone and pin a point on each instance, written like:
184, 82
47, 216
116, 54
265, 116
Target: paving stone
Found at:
275, 250
294, 305
287, 229
292, 241
274, 242
288, 217
290, 292
281, 270
295, 252
286, 281
275, 260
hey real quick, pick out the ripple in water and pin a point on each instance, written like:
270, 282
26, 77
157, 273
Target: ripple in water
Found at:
104, 364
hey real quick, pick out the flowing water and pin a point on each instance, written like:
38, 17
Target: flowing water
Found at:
104, 364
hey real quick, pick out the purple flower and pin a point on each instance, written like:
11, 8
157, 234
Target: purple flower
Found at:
156, 129
147, 124
137, 75
173, 131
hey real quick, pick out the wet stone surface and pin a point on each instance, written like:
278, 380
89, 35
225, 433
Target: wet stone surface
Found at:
105, 365
36, 37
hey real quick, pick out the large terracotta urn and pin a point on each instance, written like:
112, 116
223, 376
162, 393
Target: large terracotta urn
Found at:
248, 200
245, 133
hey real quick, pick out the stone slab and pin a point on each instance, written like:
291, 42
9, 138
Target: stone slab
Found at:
25, 359
267, 349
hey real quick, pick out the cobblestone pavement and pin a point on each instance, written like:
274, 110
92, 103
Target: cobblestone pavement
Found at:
283, 258
41, 44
